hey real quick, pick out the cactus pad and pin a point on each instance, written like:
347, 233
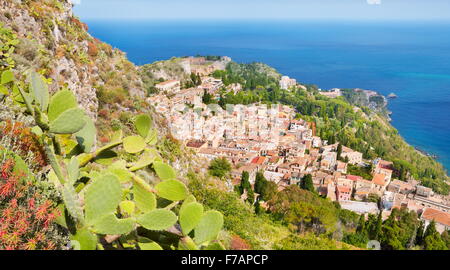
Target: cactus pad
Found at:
69, 122
173, 190
61, 102
86, 239
111, 225
164, 171
143, 124
190, 216
72, 202
73, 170
145, 200
208, 227
134, 144
157, 220
102, 197
39, 89
87, 135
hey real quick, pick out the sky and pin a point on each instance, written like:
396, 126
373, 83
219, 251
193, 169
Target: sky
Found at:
263, 9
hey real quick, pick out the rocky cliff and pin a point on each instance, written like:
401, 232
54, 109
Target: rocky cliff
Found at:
54, 42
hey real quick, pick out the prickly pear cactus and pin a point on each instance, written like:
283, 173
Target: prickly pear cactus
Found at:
113, 202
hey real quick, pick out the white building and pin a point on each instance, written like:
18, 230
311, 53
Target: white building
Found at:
169, 86
286, 82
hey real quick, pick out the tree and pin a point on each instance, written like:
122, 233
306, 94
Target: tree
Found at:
260, 182
199, 80
269, 190
379, 226
307, 183
373, 198
222, 102
196, 80
339, 152
361, 225
258, 208
346, 159
266, 189
331, 139
371, 225
219, 167
244, 182
207, 98
356, 239
432, 239
420, 233
430, 230
250, 196
446, 238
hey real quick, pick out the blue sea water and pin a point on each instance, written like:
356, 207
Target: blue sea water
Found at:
411, 59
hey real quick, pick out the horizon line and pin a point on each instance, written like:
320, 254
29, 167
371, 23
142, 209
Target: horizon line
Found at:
268, 19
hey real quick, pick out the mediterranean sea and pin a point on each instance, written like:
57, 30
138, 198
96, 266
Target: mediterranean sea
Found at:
411, 59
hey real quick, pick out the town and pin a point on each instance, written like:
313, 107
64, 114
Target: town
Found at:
270, 139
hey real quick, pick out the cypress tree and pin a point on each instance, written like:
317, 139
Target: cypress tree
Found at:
420, 234
307, 183
339, 151
379, 226
361, 225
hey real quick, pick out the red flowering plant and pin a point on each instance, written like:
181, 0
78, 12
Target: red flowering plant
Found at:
27, 211
22, 141
237, 243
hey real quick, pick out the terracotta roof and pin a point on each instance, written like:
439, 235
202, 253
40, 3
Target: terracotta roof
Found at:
378, 179
195, 144
362, 191
401, 184
344, 189
354, 177
167, 82
284, 166
247, 168
383, 164
347, 150
274, 160
436, 215
258, 160
341, 165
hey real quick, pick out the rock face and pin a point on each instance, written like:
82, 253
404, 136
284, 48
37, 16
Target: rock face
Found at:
57, 44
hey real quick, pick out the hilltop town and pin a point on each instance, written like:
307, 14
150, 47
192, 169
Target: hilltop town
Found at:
272, 140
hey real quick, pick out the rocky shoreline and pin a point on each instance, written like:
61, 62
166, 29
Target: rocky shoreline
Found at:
434, 156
